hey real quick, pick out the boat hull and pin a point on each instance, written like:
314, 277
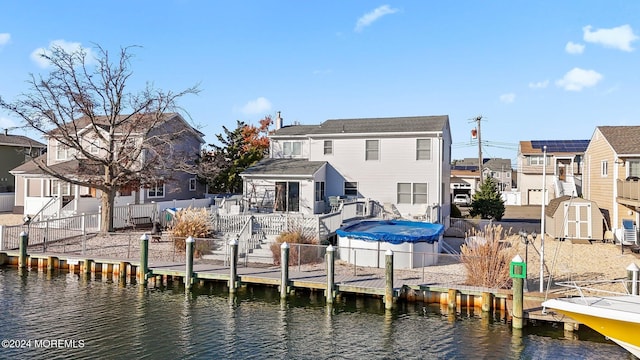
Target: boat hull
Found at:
618, 324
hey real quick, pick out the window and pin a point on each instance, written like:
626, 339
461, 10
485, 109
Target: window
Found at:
57, 185
292, 148
62, 151
372, 149
420, 194
412, 193
192, 184
423, 149
328, 147
404, 193
604, 168
94, 146
538, 160
156, 190
319, 190
350, 188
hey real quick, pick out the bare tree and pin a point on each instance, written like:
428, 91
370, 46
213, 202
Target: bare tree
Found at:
113, 139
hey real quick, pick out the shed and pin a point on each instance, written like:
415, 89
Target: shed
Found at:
574, 218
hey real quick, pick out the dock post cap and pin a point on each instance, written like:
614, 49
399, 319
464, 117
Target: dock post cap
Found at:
517, 259
233, 242
388, 252
144, 237
633, 267
24, 233
190, 239
330, 248
284, 245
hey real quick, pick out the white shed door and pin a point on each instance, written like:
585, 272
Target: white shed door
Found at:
577, 223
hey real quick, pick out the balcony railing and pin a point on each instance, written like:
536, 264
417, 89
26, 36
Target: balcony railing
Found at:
629, 190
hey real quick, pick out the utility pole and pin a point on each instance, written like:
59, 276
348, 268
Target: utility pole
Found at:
478, 119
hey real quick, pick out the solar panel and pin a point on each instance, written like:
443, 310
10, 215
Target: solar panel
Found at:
568, 146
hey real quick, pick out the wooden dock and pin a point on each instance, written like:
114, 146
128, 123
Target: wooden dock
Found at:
453, 296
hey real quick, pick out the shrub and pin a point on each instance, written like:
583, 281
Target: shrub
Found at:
190, 222
303, 254
487, 255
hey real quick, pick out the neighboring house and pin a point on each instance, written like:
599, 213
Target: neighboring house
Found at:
401, 161
15, 150
612, 170
36, 189
564, 162
465, 177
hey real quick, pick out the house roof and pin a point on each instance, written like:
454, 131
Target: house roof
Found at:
623, 139
369, 125
103, 122
498, 164
30, 167
284, 167
19, 141
553, 146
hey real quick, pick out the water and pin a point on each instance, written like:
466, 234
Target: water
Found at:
102, 319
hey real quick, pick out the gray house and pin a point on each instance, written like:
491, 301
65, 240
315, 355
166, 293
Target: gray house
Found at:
399, 161
15, 150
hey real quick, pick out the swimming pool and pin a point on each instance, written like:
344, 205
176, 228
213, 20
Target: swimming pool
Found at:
415, 244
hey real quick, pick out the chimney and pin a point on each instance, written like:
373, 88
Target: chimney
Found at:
278, 121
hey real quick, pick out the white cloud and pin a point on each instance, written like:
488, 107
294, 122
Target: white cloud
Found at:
69, 47
619, 37
508, 98
539, 84
257, 106
4, 38
573, 48
577, 79
372, 16
6, 123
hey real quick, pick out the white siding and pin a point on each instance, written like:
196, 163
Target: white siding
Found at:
378, 179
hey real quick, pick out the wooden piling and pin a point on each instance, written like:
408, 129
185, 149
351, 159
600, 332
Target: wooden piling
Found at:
284, 270
330, 255
24, 242
487, 301
144, 259
452, 298
188, 281
233, 268
517, 273
388, 276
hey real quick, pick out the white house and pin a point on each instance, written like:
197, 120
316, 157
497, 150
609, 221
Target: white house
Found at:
401, 161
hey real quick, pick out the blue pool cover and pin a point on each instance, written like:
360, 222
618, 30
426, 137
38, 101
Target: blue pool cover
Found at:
393, 231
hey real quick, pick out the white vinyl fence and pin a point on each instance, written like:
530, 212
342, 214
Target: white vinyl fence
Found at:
6, 201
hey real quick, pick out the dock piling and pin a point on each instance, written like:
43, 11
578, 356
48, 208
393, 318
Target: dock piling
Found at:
189, 263
144, 259
388, 274
518, 271
330, 255
284, 266
24, 242
233, 271
632, 276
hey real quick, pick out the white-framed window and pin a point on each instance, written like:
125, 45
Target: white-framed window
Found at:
292, 148
94, 146
319, 190
404, 193
420, 193
192, 184
604, 168
350, 188
538, 159
423, 149
633, 168
328, 147
62, 151
372, 150
156, 190
59, 188
412, 193
507, 175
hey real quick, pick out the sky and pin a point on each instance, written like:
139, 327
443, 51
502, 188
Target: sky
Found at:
534, 70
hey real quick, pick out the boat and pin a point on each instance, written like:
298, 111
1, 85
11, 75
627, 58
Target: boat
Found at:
613, 314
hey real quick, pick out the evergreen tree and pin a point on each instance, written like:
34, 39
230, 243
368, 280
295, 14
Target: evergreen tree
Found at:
487, 202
